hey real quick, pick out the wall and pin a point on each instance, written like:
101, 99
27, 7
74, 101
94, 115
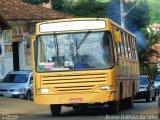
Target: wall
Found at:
6, 61
24, 56
20, 34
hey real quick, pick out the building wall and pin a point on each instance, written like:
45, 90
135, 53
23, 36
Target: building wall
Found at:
6, 61
24, 56
17, 34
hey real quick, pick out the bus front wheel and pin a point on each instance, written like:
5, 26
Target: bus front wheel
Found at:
55, 109
114, 107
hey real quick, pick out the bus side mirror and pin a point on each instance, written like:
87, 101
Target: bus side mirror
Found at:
117, 37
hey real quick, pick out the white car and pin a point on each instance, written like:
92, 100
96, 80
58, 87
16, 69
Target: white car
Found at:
17, 84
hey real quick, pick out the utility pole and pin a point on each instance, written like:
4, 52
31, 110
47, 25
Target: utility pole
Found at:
122, 13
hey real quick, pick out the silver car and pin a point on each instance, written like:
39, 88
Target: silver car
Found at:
17, 84
157, 84
146, 90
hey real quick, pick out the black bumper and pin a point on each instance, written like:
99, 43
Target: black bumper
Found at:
142, 95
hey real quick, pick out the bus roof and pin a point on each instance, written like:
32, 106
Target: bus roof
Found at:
100, 24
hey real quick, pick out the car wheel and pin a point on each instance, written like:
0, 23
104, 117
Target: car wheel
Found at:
28, 96
154, 98
130, 102
148, 97
55, 109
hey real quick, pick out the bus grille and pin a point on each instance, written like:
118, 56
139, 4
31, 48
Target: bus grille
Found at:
73, 82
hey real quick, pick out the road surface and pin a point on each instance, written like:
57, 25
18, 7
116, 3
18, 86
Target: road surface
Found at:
26, 110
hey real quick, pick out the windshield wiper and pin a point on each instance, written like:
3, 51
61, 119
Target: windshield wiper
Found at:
83, 39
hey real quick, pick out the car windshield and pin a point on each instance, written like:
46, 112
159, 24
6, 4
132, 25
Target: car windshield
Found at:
143, 81
75, 51
15, 78
157, 78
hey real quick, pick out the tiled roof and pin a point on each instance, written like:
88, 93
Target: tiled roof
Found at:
155, 25
14, 10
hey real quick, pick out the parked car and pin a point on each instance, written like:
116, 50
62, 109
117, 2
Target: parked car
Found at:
146, 89
157, 84
17, 84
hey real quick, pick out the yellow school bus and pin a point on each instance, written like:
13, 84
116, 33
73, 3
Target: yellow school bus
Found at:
84, 61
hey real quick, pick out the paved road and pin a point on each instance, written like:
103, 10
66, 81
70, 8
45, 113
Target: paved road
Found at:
27, 110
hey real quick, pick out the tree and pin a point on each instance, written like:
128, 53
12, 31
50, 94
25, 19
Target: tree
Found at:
36, 2
113, 10
81, 8
137, 18
58, 5
151, 38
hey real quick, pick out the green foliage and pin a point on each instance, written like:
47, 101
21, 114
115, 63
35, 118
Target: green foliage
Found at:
36, 2
152, 37
155, 12
57, 4
83, 8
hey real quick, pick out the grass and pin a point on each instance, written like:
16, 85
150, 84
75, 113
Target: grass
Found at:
155, 11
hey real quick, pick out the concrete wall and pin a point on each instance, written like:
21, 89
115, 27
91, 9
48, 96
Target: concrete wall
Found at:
6, 60
25, 56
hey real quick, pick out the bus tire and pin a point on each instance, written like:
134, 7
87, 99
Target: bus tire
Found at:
114, 107
130, 102
76, 107
154, 97
55, 109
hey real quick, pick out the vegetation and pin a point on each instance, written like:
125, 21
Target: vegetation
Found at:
83, 8
135, 19
37, 2
155, 12
58, 4
152, 37
68, 5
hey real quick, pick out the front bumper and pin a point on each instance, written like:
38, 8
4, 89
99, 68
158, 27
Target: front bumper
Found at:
75, 98
142, 95
14, 94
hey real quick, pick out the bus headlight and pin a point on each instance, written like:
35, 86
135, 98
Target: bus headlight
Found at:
106, 88
44, 91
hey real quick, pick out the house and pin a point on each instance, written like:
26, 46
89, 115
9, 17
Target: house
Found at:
3, 26
22, 17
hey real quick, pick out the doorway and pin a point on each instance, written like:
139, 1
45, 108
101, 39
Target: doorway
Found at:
15, 47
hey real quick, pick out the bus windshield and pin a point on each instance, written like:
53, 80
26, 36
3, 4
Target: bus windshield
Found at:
74, 51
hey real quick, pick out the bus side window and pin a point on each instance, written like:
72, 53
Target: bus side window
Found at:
122, 45
118, 49
130, 51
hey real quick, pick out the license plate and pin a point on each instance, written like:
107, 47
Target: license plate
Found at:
75, 100
7, 95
